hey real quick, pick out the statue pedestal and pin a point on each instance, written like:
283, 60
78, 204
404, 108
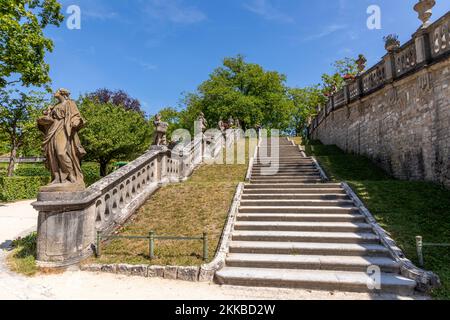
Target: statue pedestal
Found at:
65, 232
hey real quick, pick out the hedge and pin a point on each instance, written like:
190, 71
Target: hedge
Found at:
31, 170
21, 188
28, 179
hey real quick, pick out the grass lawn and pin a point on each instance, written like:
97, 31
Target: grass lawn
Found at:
185, 209
406, 209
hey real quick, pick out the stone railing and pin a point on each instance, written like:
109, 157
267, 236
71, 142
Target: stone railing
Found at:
68, 222
439, 36
428, 46
405, 59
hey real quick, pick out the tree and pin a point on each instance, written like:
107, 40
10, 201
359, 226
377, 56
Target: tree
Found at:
18, 114
112, 133
117, 98
342, 68
22, 42
241, 90
305, 102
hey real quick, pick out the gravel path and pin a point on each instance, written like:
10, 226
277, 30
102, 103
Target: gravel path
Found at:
18, 219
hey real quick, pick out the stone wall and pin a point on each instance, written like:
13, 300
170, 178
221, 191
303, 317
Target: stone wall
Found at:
404, 126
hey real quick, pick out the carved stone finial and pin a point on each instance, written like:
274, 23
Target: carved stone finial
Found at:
62, 147
424, 9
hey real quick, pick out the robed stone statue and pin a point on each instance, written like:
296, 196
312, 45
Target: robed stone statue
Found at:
160, 131
62, 147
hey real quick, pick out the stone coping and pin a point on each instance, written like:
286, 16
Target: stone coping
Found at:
69, 201
426, 280
323, 175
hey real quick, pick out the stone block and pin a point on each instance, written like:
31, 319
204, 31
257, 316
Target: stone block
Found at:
170, 272
188, 273
91, 267
124, 269
139, 270
109, 268
155, 272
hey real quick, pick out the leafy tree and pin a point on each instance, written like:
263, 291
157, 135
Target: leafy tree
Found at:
334, 82
118, 98
305, 101
244, 91
22, 41
112, 133
18, 114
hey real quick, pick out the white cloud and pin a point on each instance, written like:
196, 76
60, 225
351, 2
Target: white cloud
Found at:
265, 9
326, 32
174, 11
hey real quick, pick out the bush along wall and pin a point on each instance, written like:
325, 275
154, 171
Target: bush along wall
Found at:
21, 188
28, 179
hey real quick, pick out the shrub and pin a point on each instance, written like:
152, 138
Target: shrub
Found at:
31, 170
91, 172
21, 188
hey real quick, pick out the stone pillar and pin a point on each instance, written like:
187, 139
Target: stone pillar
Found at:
389, 67
423, 50
66, 231
346, 94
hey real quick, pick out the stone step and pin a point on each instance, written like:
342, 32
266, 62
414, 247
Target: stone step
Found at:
296, 191
296, 236
285, 186
302, 226
311, 262
276, 177
313, 280
281, 181
303, 217
271, 173
284, 172
313, 248
288, 169
297, 209
294, 196
286, 160
296, 202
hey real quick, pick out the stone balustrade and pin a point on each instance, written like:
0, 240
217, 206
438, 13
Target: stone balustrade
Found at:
68, 222
428, 46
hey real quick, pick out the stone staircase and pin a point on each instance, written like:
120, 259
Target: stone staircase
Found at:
295, 231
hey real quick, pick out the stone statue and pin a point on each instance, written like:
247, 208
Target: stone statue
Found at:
230, 122
160, 131
62, 147
238, 124
222, 126
202, 120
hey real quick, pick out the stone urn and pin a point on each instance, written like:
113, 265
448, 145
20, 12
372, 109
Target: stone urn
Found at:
424, 9
391, 43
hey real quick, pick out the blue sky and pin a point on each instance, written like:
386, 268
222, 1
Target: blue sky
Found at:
158, 49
